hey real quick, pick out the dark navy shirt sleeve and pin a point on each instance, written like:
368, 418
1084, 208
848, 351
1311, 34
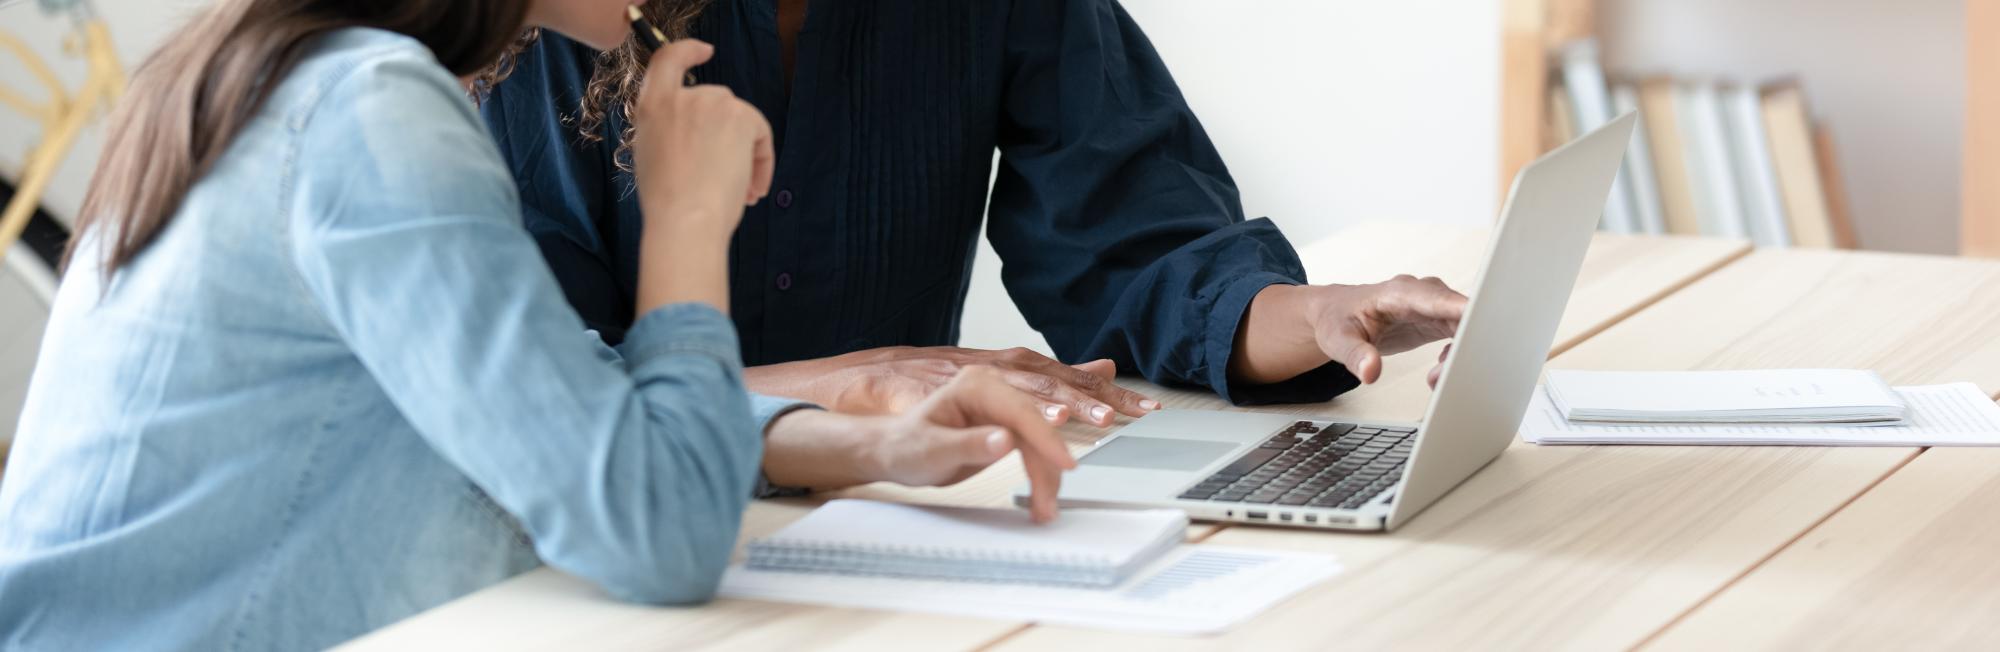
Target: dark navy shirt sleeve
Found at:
1120, 228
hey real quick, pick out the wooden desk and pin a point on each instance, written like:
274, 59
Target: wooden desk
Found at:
1911, 563
1604, 547
546, 609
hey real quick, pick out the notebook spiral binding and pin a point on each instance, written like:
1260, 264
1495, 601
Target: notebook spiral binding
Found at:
933, 562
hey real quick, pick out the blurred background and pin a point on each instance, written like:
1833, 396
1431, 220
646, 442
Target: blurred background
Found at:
1335, 112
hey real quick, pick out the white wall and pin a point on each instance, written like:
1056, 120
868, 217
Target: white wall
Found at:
1328, 112
1887, 78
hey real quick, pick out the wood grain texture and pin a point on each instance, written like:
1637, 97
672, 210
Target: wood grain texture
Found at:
1524, 83
1980, 184
1529, 30
1910, 565
1599, 547
545, 608
548, 610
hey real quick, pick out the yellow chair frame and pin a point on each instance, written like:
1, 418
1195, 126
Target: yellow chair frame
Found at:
62, 117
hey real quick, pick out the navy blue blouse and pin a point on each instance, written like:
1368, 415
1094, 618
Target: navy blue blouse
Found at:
1119, 228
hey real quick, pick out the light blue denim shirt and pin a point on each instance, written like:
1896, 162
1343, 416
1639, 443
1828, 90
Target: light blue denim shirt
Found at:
343, 387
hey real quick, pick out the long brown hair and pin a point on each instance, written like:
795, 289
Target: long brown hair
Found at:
615, 80
189, 100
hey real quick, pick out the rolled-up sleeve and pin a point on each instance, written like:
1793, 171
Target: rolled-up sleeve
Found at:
1120, 229
406, 231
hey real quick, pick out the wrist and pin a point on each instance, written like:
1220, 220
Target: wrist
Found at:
821, 450
686, 227
682, 263
1278, 337
835, 383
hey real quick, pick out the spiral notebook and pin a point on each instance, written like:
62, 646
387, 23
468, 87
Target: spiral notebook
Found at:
1083, 548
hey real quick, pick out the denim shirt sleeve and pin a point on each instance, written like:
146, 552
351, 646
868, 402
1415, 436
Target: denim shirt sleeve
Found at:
763, 410
1121, 229
406, 231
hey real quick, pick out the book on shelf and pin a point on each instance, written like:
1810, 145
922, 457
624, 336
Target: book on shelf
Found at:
1561, 123
1717, 199
1837, 213
1750, 156
1644, 184
1590, 108
1789, 131
1670, 164
1712, 157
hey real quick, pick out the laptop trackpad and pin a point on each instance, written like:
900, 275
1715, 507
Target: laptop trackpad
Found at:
1157, 453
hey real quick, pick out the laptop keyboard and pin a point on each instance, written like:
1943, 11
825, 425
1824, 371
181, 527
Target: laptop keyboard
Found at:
1339, 465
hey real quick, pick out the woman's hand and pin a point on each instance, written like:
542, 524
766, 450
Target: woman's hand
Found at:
888, 380
699, 156
965, 426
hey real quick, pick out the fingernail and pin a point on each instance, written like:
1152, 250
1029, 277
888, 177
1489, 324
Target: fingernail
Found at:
1149, 404
998, 442
1053, 412
1100, 412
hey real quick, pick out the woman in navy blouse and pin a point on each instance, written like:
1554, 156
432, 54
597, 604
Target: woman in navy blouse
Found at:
1121, 232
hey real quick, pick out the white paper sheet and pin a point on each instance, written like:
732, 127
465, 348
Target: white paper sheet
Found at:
1193, 590
1957, 414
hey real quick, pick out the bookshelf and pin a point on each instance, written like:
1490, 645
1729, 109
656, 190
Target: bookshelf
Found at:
1979, 225
1532, 29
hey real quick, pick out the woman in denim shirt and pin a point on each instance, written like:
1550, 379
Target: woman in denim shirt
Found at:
307, 376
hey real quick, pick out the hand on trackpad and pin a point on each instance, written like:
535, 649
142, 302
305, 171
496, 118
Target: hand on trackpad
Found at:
1157, 453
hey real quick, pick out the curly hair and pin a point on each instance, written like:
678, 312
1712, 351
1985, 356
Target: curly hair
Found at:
614, 80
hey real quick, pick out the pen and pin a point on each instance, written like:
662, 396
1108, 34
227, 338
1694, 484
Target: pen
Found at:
649, 36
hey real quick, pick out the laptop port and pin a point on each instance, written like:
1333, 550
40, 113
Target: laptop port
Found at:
1286, 517
1312, 518
1261, 516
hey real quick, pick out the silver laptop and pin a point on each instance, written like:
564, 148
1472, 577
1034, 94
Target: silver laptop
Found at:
1324, 473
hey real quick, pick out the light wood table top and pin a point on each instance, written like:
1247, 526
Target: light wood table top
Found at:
545, 608
1605, 547
1913, 563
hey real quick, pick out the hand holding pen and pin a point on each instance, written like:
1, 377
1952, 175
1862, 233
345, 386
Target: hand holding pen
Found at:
651, 39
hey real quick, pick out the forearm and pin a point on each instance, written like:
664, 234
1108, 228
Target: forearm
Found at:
806, 380
1275, 342
683, 264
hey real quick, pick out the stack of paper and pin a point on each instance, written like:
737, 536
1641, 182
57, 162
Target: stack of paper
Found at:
1757, 396
1958, 414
